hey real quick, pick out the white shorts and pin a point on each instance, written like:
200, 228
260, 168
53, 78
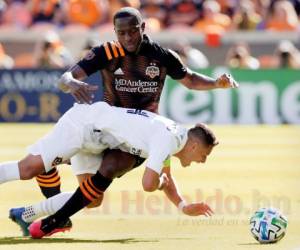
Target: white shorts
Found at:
59, 145
65, 140
86, 163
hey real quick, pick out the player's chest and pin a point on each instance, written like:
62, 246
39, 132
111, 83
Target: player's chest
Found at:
138, 67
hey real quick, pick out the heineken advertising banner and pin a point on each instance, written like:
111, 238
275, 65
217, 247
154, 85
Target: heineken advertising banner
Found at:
32, 96
264, 96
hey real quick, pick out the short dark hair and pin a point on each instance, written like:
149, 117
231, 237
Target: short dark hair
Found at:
128, 12
203, 133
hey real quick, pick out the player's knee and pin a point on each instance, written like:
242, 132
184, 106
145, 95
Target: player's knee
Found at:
30, 167
109, 171
95, 203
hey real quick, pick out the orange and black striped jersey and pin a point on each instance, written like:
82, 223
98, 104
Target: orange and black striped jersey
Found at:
133, 80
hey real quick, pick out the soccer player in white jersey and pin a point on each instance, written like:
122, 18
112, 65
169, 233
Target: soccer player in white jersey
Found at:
85, 131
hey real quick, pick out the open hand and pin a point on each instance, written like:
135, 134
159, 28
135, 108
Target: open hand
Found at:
82, 92
226, 81
195, 209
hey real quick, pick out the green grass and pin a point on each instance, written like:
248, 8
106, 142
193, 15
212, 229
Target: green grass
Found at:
251, 168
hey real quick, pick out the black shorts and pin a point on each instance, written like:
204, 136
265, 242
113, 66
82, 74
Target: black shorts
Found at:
138, 161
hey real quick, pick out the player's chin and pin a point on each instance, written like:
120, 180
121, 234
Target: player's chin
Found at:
131, 47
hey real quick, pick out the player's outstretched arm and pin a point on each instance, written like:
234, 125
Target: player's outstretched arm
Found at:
197, 81
71, 82
172, 192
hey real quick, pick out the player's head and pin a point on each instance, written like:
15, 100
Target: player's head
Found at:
129, 28
200, 143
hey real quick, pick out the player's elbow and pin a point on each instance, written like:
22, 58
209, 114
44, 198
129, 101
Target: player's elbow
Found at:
149, 185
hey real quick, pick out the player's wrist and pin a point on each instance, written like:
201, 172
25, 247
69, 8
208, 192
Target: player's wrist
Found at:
181, 205
64, 82
161, 182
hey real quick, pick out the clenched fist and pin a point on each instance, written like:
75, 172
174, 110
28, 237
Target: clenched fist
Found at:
226, 81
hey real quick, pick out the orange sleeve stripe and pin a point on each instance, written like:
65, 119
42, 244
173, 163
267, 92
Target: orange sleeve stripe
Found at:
107, 51
121, 50
92, 186
52, 180
114, 49
49, 185
42, 176
90, 190
85, 193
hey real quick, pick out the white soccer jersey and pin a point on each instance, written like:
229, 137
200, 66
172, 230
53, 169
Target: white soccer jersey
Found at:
85, 131
137, 132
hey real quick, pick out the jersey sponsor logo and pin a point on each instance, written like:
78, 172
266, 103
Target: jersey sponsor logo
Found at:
113, 50
57, 161
139, 86
119, 71
152, 70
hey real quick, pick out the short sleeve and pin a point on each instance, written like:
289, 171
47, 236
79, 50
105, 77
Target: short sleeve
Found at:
161, 149
175, 68
96, 59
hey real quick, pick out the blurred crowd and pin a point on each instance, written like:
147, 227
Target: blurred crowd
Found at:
206, 16
201, 15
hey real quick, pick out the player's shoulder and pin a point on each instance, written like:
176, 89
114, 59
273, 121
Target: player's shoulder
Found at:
111, 50
154, 48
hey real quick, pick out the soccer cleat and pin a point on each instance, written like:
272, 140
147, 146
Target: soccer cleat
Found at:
15, 214
46, 227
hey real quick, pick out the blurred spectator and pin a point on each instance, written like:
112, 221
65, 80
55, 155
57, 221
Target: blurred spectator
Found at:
283, 17
261, 7
51, 53
228, 6
3, 7
90, 43
239, 56
17, 14
115, 5
155, 13
213, 20
47, 11
192, 57
245, 17
184, 12
87, 12
6, 62
288, 56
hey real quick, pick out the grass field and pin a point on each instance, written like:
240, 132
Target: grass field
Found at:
251, 168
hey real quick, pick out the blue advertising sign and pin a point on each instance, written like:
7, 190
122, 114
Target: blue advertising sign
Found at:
32, 95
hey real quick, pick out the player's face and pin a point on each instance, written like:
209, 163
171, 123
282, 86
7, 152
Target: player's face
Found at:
196, 152
129, 32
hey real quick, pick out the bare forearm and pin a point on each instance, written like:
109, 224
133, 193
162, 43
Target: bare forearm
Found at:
172, 192
197, 81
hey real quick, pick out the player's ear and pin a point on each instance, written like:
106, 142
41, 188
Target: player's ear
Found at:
143, 25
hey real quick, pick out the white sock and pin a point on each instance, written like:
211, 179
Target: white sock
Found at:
9, 171
46, 207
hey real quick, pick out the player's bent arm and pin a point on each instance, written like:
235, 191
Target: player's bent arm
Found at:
172, 192
150, 180
71, 82
171, 189
197, 81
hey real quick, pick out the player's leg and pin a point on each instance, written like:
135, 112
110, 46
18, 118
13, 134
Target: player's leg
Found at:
83, 166
25, 169
115, 163
49, 183
57, 146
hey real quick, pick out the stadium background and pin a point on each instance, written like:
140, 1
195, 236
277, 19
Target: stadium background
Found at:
257, 162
